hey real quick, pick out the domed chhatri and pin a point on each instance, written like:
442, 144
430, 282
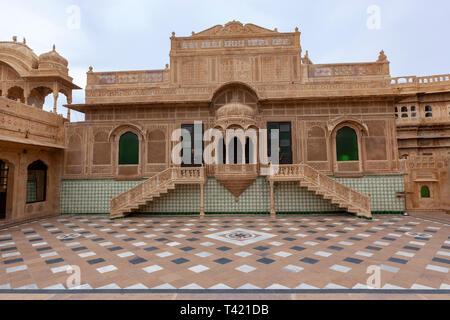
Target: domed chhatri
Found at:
235, 110
52, 59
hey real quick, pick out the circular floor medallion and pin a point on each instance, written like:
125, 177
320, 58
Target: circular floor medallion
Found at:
240, 235
68, 236
418, 235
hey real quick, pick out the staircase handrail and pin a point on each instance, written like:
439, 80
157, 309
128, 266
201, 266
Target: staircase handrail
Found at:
321, 180
170, 175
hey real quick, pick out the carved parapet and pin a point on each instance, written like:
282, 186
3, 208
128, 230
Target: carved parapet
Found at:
29, 125
127, 77
413, 83
346, 70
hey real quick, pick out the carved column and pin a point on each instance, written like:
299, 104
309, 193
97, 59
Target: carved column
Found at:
55, 100
26, 93
272, 199
202, 200
69, 101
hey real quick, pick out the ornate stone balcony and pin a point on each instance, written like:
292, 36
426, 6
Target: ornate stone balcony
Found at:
236, 178
25, 124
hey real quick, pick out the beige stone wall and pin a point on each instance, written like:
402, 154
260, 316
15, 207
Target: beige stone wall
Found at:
92, 148
18, 157
423, 125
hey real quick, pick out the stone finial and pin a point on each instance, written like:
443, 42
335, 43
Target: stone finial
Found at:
306, 59
173, 33
382, 57
54, 47
15, 38
91, 69
276, 29
193, 33
24, 40
167, 66
296, 29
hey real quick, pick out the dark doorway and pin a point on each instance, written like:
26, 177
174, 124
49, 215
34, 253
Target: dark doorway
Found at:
285, 140
4, 169
193, 146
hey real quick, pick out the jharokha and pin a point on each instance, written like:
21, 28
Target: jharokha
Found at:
351, 139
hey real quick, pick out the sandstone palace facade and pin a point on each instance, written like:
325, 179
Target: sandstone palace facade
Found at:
351, 138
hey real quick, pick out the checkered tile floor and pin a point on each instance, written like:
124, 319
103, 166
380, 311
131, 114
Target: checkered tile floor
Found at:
289, 252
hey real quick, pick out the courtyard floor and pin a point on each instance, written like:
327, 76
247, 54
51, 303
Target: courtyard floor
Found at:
163, 256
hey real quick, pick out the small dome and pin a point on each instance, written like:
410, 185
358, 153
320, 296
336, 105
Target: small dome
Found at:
52, 59
235, 110
21, 51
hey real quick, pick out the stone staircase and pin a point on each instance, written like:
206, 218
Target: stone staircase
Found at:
152, 188
326, 187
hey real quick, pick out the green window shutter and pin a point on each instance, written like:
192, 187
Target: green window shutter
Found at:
129, 149
347, 145
425, 192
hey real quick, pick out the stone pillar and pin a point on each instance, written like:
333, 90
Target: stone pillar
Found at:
202, 200
26, 92
272, 199
69, 102
55, 100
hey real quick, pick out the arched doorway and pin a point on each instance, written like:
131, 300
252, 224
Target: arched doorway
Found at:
4, 178
37, 182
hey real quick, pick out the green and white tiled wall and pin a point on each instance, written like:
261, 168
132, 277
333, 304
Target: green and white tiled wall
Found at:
92, 197
291, 198
256, 199
184, 199
382, 188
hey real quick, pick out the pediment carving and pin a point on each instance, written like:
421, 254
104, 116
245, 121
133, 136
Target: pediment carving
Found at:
234, 28
333, 123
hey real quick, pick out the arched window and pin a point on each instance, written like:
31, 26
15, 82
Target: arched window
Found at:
235, 152
249, 151
413, 112
37, 182
222, 152
425, 192
347, 145
129, 149
428, 112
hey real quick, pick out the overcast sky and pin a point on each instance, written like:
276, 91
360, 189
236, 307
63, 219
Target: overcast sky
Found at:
134, 35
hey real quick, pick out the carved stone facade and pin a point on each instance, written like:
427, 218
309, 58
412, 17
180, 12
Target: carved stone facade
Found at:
32, 141
423, 126
245, 76
350, 122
